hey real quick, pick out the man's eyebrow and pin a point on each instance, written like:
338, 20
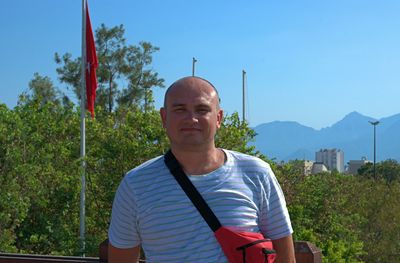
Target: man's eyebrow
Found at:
177, 105
203, 106
200, 105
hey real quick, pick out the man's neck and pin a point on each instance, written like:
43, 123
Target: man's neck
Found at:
198, 162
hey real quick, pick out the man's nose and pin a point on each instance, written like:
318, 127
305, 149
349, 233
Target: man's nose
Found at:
192, 116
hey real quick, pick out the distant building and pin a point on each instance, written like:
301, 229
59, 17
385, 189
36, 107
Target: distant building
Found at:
333, 159
354, 165
308, 167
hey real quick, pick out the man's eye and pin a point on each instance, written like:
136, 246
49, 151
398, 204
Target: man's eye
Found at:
203, 110
179, 110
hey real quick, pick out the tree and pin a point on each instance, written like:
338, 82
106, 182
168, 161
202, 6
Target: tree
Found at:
41, 89
321, 210
69, 72
377, 202
13, 203
141, 78
118, 63
41, 170
111, 52
388, 170
236, 135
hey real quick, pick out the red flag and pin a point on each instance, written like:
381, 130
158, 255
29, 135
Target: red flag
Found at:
91, 65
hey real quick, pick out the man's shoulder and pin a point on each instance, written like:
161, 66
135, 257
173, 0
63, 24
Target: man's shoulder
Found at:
152, 166
242, 159
146, 180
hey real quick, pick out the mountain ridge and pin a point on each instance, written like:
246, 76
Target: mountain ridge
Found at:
287, 140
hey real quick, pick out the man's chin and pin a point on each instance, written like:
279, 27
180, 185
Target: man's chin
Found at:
191, 143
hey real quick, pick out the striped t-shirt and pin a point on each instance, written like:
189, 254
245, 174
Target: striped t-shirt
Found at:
150, 209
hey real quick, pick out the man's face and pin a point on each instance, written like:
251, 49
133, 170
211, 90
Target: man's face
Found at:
191, 115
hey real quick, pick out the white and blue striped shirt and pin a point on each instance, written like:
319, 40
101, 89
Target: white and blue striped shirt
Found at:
150, 209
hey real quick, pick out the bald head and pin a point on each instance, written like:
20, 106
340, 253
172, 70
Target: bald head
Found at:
192, 83
191, 115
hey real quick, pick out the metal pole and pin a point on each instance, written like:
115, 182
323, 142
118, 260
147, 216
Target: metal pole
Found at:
374, 151
83, 134
374, 123
193, 66
244, 94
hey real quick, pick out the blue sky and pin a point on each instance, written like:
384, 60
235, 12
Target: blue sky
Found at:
306, 61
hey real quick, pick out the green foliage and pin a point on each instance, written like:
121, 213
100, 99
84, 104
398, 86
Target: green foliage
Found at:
377, 201
388, 170
69, 72
119, 63
13, 203
351, 218
43, 163
42, 90
235, 135
141, 77
321, 205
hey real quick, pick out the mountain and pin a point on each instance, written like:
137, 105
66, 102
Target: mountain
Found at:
284, 140
352, 126
275, 136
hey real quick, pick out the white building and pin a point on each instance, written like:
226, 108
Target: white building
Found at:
333, 159
354, 165
318, 168
308, 165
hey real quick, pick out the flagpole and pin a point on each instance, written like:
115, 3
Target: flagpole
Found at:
83, 135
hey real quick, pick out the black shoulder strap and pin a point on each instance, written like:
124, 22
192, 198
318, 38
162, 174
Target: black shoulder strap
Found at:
191, 191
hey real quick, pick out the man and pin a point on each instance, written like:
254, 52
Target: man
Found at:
151, 210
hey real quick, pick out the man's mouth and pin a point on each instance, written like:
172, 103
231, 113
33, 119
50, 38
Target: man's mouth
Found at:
190, 129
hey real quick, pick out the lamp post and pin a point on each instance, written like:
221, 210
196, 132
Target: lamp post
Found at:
374, 123
244, 94
193, 65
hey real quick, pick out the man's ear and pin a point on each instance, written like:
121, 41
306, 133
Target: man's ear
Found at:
220, 116
163, 114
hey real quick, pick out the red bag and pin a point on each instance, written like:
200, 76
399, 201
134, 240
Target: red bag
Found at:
241, 247
238, 247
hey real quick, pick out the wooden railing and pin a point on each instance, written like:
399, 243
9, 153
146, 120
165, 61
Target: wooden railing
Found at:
23, 258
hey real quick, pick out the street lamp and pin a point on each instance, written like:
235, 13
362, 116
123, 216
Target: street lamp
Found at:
374, 123
193, 65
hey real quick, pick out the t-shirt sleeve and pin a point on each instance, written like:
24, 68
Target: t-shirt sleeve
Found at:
123, 232
275, 221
